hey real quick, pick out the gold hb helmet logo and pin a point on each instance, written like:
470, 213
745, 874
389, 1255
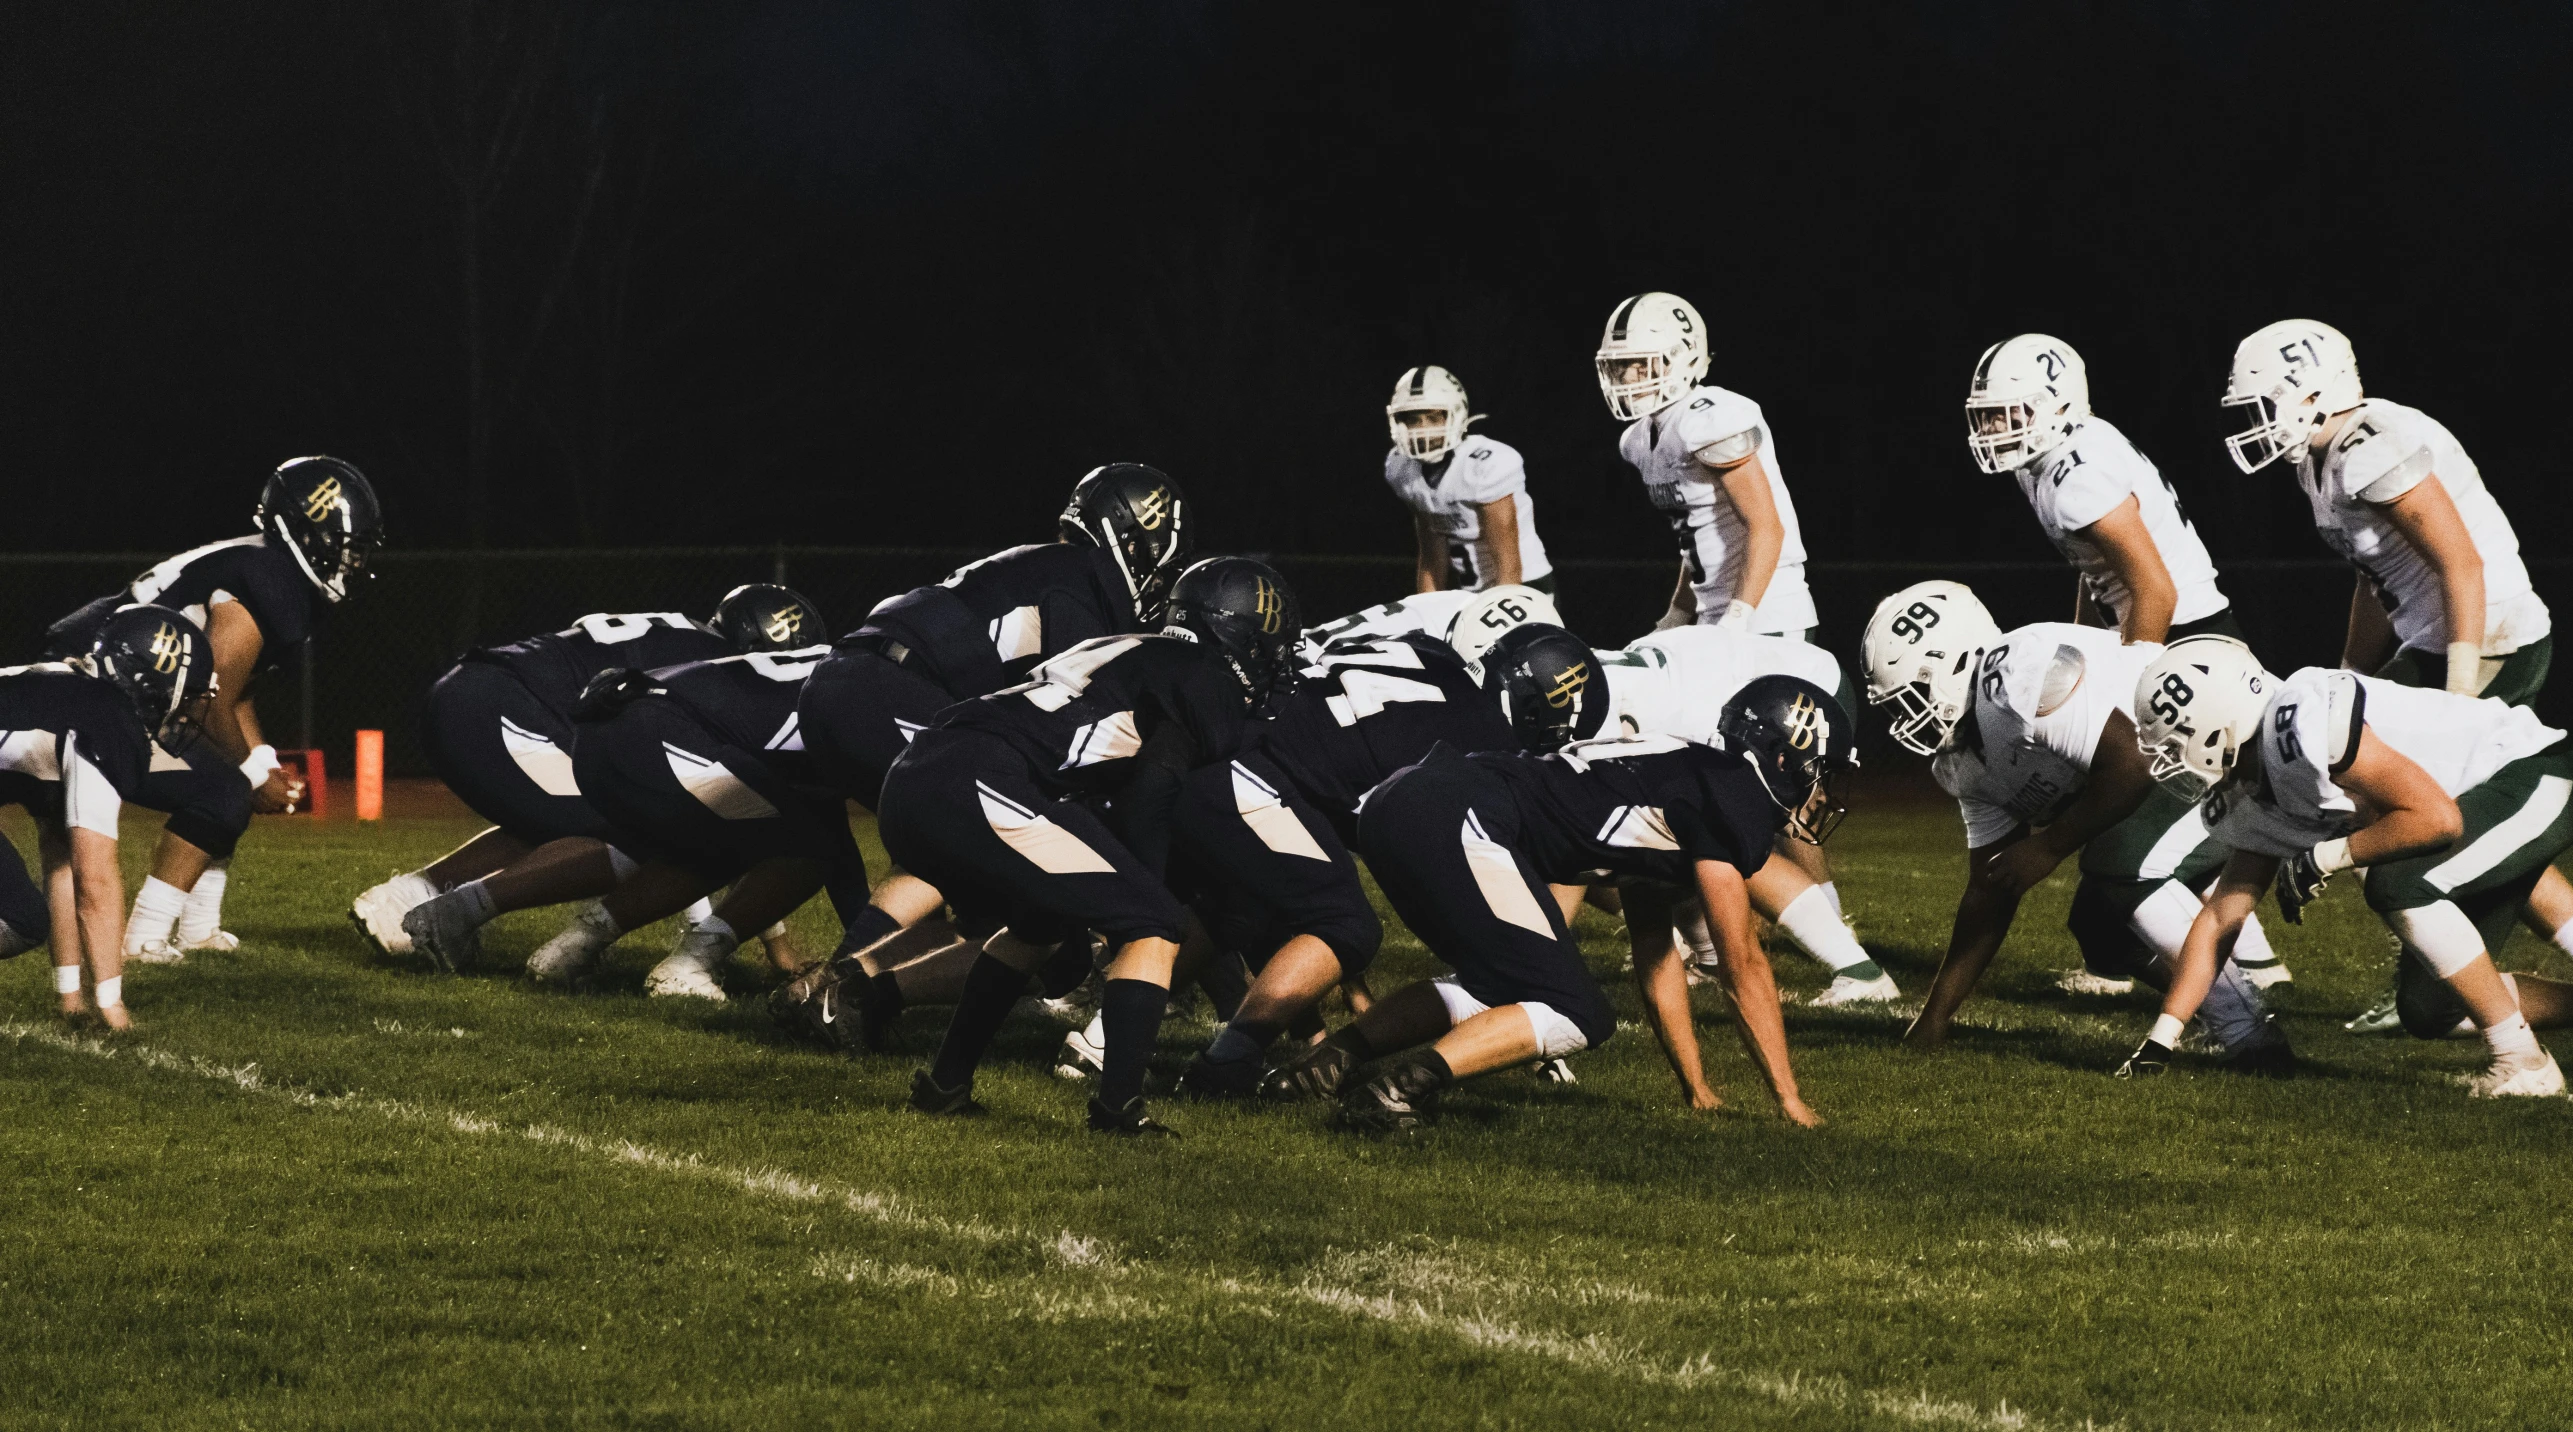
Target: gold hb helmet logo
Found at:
168, 649
1152, 508
1269, 603
783, 624
324, 496
1568, 684
1807, 727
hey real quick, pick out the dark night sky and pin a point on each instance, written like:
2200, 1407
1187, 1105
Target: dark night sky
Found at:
892, 273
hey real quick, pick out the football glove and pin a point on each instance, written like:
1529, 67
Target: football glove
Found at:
2150, 1058
2300, 883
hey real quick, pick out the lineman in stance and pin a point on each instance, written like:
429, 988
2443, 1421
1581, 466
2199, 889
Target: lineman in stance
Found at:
257, 598
2454, 806
2105, 506
1711, 469
1467, 621
1473, 523
76, 742
1676, 682
1466, 846
2033, 731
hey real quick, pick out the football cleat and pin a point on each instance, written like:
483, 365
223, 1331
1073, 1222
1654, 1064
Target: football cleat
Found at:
2084, 982
2379, 1018
1317, 1073
928, 1098
1081, 1057
1130, 1122
1845, 990
378, 910
445, 934
221, 942
2516, 1078
156, 952
569, 957
1556, 1071
2150, 1058
1212, 1079
689, 970
1402, 1100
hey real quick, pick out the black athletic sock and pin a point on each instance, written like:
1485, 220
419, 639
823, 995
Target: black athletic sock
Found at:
990, 989
871, 925
1065, 969
1306, 1025
884, 997
1132, 1010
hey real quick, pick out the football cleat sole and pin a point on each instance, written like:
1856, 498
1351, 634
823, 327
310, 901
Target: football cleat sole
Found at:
2521, 1081
2084, 982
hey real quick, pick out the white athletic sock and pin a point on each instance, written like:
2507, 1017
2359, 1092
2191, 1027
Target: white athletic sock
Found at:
476, 899
157, 907
698, 913
1831, 892
2513, 1040
710, 925
2564, 937
1810, 921
203, 916
1097, 1031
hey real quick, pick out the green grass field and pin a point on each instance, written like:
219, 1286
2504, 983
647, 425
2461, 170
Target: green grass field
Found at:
314, 1190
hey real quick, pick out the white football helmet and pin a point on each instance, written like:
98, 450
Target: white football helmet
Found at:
1652, 353
1920, 652
1428, 389
2291, 377
1493, 612
2028, 395
2196, 707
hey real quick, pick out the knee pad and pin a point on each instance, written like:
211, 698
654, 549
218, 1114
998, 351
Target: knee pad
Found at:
1556, 1035
2440, 934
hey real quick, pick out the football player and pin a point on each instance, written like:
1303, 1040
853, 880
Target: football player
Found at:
2111, 513
1264, 840
1677, 682
498, 730
1466, 846
79, 744
994, 805
1473, 523
257, 598
2033, 732
2441, 598
1125, 534
696, 770
1711, 469
2453, 807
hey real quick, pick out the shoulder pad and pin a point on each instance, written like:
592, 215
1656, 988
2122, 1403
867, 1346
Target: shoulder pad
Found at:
2063, 677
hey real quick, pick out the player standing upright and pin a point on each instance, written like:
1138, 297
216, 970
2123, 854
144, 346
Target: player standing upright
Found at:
1473, 522
2104, 506
1711, 468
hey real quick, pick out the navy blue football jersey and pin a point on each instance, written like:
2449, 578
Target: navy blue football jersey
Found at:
262, 576
746, 700
991, 622
1646, 806
48, 715
1082, 717
1367, 709
556, 665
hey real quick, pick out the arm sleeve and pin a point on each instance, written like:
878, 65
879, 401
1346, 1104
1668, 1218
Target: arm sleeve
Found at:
90, 801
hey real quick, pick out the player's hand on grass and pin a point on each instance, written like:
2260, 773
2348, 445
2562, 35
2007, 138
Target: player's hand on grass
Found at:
1794, 1108
2301, 879
1704, 1097
115, 1017
2150, 1058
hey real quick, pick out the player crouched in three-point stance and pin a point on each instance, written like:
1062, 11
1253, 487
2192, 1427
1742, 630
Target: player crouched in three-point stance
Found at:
1675, 682
1125, 534
992, 805
76, 742
257, 598
2033, 731
1466, 846
1472, 519
2455, 807
499, 730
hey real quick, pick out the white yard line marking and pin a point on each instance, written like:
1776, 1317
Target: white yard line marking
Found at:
1408, 1269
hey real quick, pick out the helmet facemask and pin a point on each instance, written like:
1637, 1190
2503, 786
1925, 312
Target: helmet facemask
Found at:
1639, 385
2012, 433
1426, 441
2272, 433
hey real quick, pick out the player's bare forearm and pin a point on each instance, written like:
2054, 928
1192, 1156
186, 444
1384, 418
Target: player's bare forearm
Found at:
1429, 561
1662, 980
99, 893
1501, 535
2212, 933
1764, 531
2428, 519
2151, 596
231, 722
1984, 916
2415, 816
1752, 985
2371, 638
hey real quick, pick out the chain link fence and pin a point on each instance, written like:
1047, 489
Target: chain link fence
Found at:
377, 654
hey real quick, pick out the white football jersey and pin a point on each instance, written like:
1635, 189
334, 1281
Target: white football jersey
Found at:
2041, 697
1671, 450
1429, 612
1477, 471
1675, 682
2382, 452
2309, 733
2088, 476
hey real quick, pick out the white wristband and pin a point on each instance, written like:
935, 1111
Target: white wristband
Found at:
262, 763
2333, 856
2465, 668
66, 979
2166, 1031
1737, 615
111, 992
